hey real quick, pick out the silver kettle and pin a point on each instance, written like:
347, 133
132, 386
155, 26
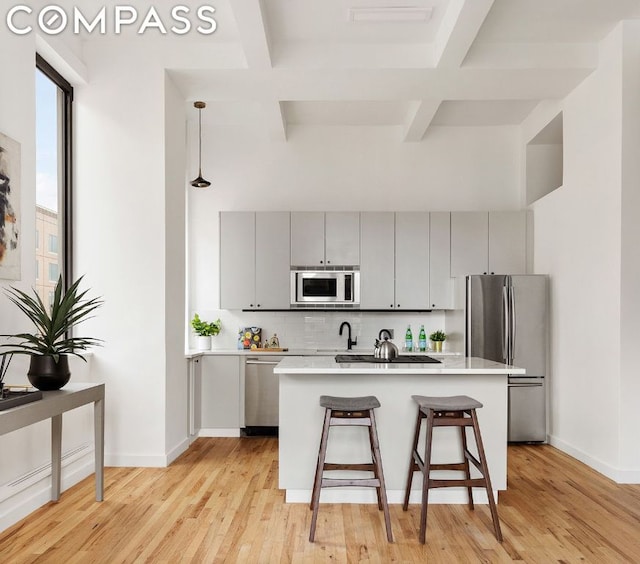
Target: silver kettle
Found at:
385, 350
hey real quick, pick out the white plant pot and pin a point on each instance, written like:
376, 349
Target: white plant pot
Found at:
203, 343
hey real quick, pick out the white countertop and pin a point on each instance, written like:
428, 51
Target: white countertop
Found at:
306, 352
449, 365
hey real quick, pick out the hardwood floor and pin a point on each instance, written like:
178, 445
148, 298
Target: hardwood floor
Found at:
219, 502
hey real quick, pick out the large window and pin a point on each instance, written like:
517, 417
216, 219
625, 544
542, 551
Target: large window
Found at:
54, 97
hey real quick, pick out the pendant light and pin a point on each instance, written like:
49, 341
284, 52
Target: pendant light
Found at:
200, 182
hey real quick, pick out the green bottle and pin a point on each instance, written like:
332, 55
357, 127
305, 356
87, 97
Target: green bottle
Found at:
422, 340
408, 339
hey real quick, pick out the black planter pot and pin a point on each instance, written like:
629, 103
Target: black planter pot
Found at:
47, 374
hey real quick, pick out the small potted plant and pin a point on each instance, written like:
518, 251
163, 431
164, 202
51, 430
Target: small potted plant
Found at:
51, 343
437, 338
205, 331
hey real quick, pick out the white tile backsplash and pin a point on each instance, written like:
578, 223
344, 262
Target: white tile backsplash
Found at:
312, 330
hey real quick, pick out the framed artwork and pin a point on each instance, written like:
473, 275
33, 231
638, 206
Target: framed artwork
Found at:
9, 208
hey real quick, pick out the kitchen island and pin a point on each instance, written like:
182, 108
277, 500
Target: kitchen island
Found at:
304, 379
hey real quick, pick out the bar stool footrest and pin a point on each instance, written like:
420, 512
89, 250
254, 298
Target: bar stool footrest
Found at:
366, 466
361, 482
451, 482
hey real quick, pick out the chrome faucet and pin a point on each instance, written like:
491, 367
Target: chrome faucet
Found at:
350, 342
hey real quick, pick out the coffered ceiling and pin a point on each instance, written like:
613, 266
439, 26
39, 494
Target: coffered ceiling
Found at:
407, 63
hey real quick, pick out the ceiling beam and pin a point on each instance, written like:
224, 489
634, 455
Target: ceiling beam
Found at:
420, 117
389, 84
275, 121
459, 28
254, 35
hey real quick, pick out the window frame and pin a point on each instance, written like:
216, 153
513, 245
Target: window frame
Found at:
65, 189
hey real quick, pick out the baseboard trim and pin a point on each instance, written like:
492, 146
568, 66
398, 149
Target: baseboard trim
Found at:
219, 433
176, 451
618, 475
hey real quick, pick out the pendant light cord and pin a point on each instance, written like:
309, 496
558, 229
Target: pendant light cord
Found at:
200, 142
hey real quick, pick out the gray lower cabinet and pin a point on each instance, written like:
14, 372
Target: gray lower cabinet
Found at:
220, 403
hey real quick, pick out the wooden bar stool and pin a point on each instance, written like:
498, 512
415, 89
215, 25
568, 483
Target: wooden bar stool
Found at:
340, 411
454, 411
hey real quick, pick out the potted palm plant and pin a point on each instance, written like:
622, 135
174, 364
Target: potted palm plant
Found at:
51, 344
437, 338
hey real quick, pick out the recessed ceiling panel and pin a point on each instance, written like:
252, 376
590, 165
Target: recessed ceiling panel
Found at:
565, 21
318, 21
345, 112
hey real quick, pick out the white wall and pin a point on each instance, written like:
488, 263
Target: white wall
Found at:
630, 272
24, 470
580, 241
125, 180
176, 432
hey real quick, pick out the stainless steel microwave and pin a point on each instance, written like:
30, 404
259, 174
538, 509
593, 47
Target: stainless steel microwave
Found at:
329, 287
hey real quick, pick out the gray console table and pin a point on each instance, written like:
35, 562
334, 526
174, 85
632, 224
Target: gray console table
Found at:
52, 406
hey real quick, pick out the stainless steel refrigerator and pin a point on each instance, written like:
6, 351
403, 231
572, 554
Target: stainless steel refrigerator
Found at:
506, 320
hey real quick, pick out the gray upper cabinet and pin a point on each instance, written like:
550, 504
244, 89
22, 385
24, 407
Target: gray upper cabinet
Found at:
342, 238
440, 281
488, 243
507, 242
307, 238
412, 260
254, 260
469, 243
325, 239
407, 259
237, 260
377, 256
272, 260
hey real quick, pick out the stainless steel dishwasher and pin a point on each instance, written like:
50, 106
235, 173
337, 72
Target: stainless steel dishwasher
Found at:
261, 390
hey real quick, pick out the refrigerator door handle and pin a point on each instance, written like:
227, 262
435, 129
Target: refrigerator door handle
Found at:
512, 324
505, 324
